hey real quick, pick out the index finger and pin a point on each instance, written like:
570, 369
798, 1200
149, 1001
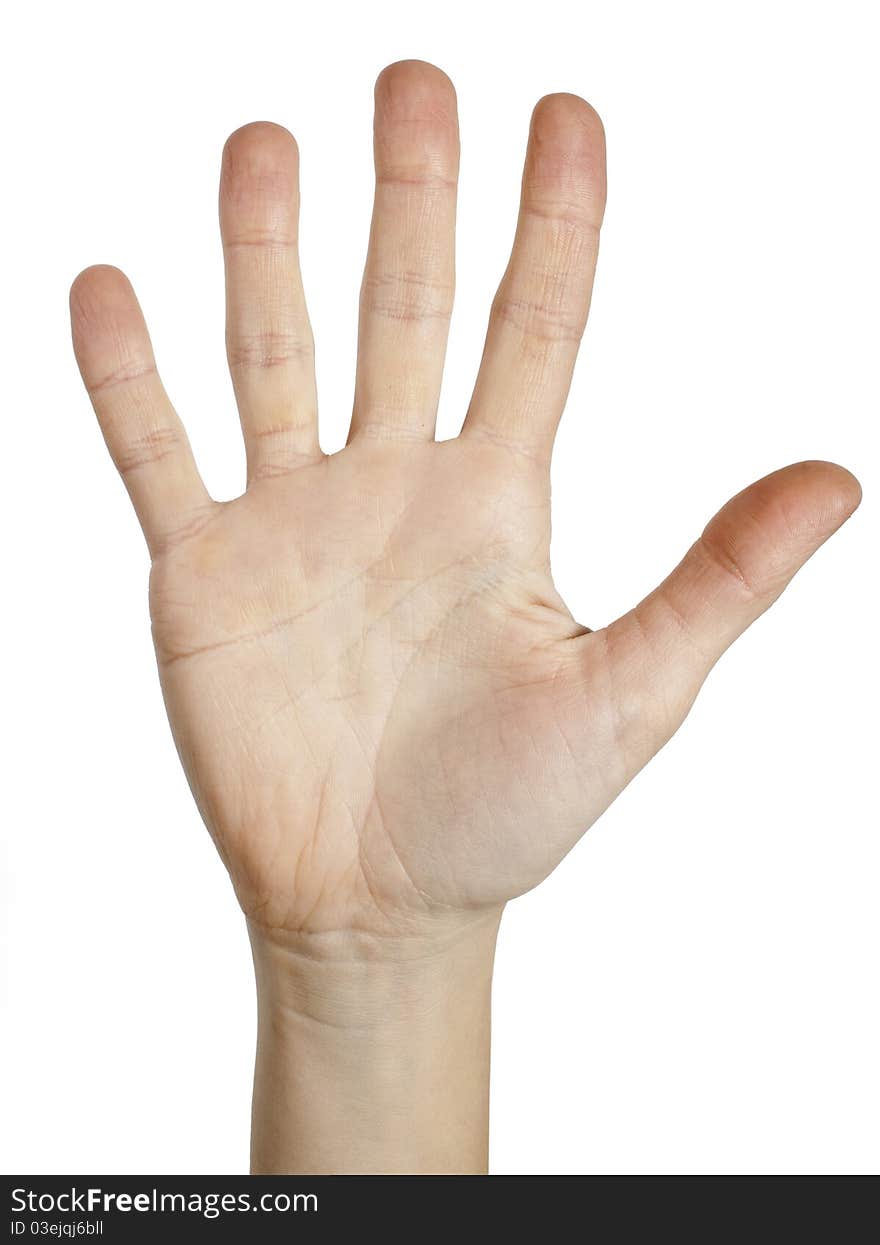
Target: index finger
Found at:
540, 311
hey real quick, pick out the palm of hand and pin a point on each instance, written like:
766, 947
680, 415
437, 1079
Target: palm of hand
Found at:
360, 661
383, 707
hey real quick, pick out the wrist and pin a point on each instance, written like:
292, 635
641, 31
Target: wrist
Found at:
360, 980
373, 1053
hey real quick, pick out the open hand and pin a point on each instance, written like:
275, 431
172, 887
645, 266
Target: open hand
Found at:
387, 715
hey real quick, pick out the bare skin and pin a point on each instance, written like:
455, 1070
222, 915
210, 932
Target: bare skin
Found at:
389, 719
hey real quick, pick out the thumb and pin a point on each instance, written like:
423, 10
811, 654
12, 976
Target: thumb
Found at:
663, 649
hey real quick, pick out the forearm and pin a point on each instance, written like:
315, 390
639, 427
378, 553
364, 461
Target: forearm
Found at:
373, 1054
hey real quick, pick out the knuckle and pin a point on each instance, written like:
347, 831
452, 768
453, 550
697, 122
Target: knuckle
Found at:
146, 450
406, 296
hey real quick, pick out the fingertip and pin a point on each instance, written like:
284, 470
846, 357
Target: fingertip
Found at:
259, 185
570, 126
414, 75
414, 90
768, 531
562, 112
98, 285
813, 496
566, 156
260, 142
260, 163
106, 320
835, 484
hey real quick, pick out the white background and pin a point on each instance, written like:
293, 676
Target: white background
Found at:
695, 989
